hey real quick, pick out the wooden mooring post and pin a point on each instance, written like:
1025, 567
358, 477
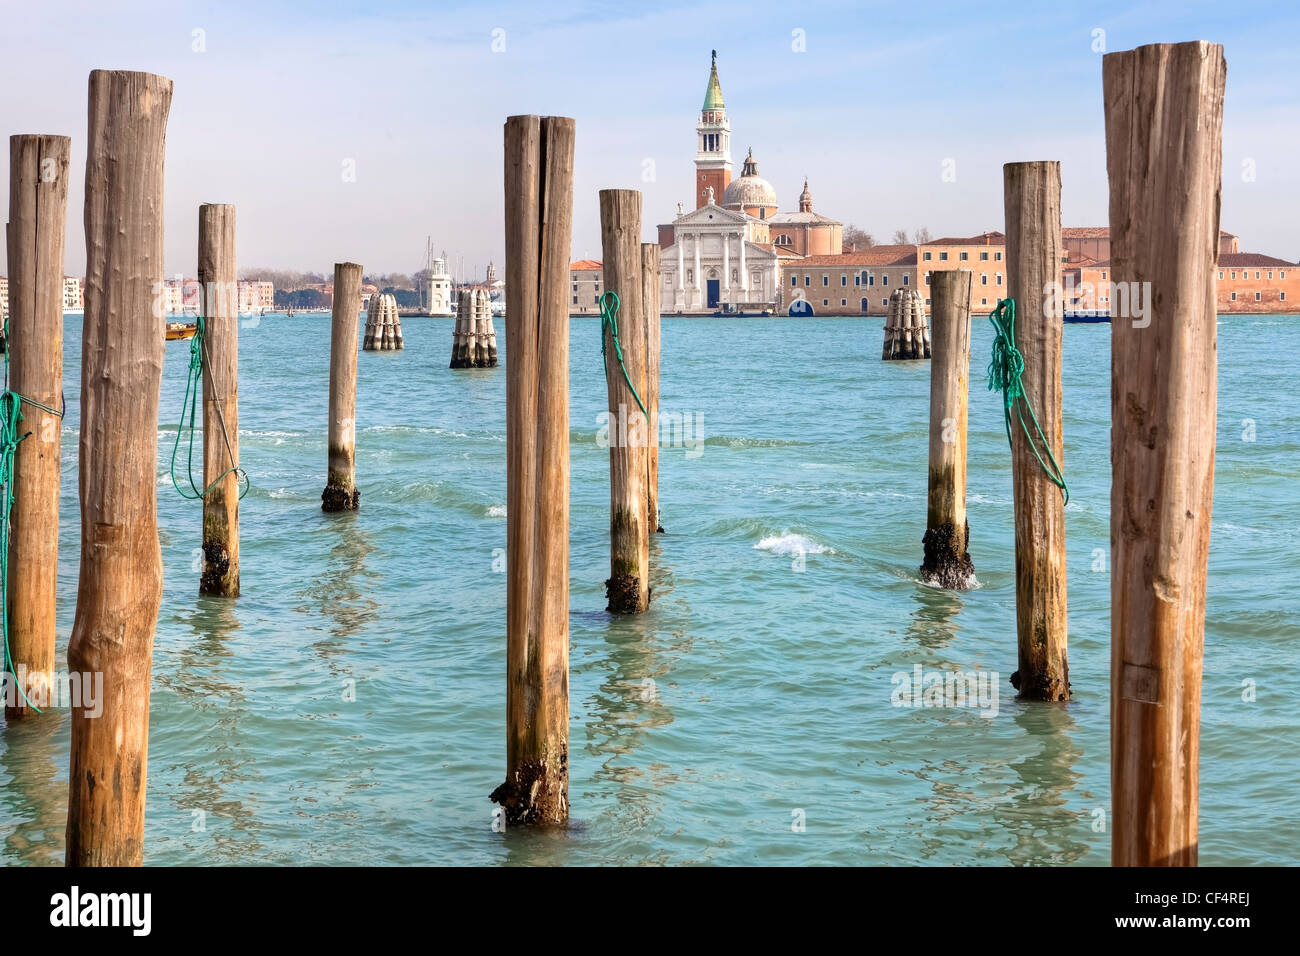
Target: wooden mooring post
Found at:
650, 300
120, 586
38, 209
341, 492
219, 301
1164, 157
1032, 196
539, 228
628, 587
947, 533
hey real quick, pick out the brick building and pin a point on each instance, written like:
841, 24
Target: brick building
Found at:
586, 285
1251, 282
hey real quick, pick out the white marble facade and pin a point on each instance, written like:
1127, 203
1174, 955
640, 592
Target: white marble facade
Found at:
714, 262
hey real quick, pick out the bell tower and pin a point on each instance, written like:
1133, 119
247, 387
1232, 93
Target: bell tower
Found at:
713, 147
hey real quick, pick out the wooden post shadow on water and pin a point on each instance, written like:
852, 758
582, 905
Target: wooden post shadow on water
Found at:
539, 230
1164, 155
38, 204
947, 561
120, 586
1032, 194
341, 493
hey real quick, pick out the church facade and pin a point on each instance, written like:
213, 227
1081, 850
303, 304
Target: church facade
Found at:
727, 254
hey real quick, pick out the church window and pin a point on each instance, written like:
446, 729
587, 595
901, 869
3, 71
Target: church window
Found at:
762, 212
690, 275
735, 275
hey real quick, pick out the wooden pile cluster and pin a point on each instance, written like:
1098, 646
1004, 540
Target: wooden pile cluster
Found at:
383, 327
474, 342
906, 334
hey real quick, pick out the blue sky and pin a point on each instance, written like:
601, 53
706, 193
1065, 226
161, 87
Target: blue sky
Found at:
283, 93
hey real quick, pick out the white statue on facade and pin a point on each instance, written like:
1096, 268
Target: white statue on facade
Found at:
710, 195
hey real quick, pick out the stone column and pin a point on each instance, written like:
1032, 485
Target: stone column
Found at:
699, 283
726, 261
744, 276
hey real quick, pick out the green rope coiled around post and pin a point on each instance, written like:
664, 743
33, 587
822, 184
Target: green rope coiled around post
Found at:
609, 303
193, 387
11, 417
1005, 369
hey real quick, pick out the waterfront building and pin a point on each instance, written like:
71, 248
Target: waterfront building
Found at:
72, 301
586, 285
727, 252
851, 283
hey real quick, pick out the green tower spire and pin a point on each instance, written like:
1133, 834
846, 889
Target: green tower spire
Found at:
713, 95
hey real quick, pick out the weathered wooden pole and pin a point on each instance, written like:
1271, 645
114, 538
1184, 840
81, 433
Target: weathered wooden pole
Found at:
539, 227
1032, 196
1164, 154
219, 302
947, 533
38, 209
650, 299
120, 586
341, 492
628, 587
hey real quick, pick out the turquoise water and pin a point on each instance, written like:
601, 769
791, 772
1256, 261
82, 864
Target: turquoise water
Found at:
747, 718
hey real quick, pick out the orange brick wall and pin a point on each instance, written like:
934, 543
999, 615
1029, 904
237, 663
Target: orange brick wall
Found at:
1276, 294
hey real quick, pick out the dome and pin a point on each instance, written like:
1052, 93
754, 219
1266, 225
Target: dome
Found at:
749, 191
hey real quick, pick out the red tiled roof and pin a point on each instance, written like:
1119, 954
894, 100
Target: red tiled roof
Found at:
585, 265
983, 239
873, 256
1240, 259
1085, 232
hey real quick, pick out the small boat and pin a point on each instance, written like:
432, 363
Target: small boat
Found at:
1088, 315
181, 330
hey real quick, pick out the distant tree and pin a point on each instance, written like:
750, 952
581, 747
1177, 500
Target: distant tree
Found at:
900, 237
922, 236
406, 298
855, 238
286, 280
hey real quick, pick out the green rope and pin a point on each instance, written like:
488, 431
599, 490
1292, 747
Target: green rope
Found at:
609, 320
189, 404
1005, 369
11, 417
